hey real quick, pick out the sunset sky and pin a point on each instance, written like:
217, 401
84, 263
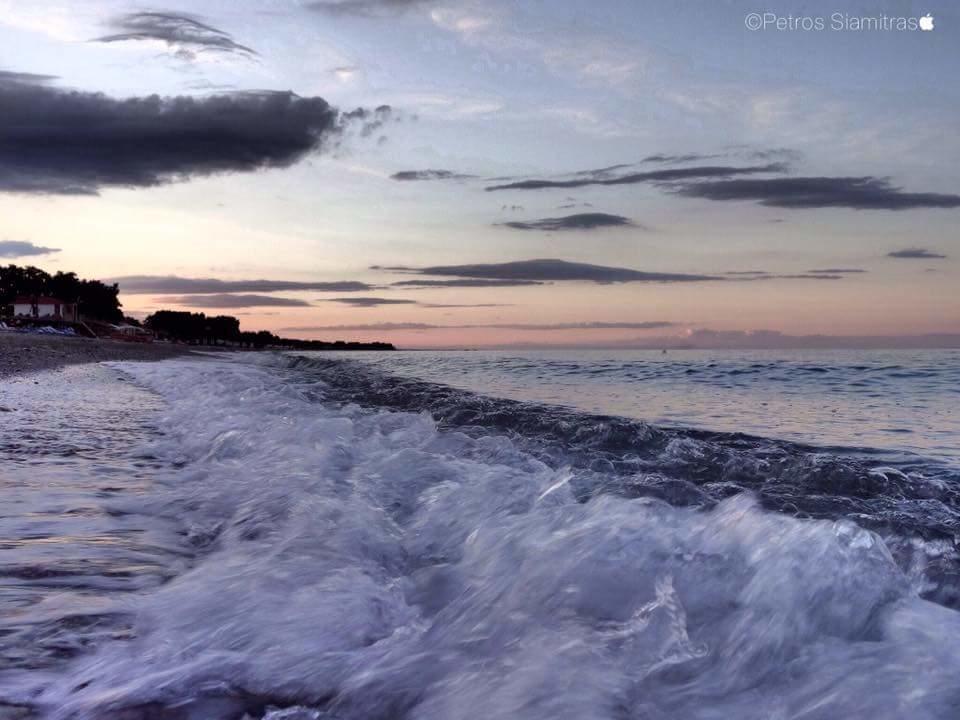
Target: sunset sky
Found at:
489, 173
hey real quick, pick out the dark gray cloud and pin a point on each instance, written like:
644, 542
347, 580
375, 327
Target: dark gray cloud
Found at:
368, 121
746, 275
522, 273
366, 8
160, 284
429, 175
375, 301
915, 254
463, 283
797, 276
741, 151
186, 34
860, 193
547, 269
783, 154
551, 270
56, 141
19, 248
615, 175
234, 301
600, 173
370, 301
579, 221
722, 182
654, 176
22, 78
837, 271
692, 157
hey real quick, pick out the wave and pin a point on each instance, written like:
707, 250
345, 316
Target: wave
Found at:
376, 548
627, 456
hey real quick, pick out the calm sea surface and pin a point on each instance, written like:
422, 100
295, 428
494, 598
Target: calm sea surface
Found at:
888, 400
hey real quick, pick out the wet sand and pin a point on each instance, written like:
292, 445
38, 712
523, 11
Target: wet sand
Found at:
24, 353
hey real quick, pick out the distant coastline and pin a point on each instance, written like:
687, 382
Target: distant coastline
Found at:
32, 299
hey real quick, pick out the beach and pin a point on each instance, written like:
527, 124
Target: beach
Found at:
25, 352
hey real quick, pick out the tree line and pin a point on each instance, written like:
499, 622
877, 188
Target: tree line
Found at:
196, 328
99, 302
96, 300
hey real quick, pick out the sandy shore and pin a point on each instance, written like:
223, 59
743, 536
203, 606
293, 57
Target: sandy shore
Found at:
23, 352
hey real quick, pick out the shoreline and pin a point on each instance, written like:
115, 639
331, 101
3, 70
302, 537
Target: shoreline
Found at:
24, 353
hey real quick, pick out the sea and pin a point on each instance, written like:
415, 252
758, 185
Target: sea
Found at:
483, 534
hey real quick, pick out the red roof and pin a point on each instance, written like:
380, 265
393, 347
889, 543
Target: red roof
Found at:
37, 300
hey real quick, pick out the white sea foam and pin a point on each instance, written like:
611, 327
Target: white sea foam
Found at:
357, 564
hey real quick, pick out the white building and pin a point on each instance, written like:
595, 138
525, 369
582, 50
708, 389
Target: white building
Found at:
40, 306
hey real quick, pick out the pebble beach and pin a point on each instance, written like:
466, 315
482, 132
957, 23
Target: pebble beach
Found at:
22, 353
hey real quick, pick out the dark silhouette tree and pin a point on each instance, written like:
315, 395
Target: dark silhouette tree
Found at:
101, 302
96, 300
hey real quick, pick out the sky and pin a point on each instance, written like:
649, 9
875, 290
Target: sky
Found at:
468, 174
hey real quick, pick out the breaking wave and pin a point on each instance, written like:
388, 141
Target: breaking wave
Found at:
366, 547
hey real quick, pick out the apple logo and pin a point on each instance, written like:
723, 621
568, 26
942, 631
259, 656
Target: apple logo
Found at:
926, 22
